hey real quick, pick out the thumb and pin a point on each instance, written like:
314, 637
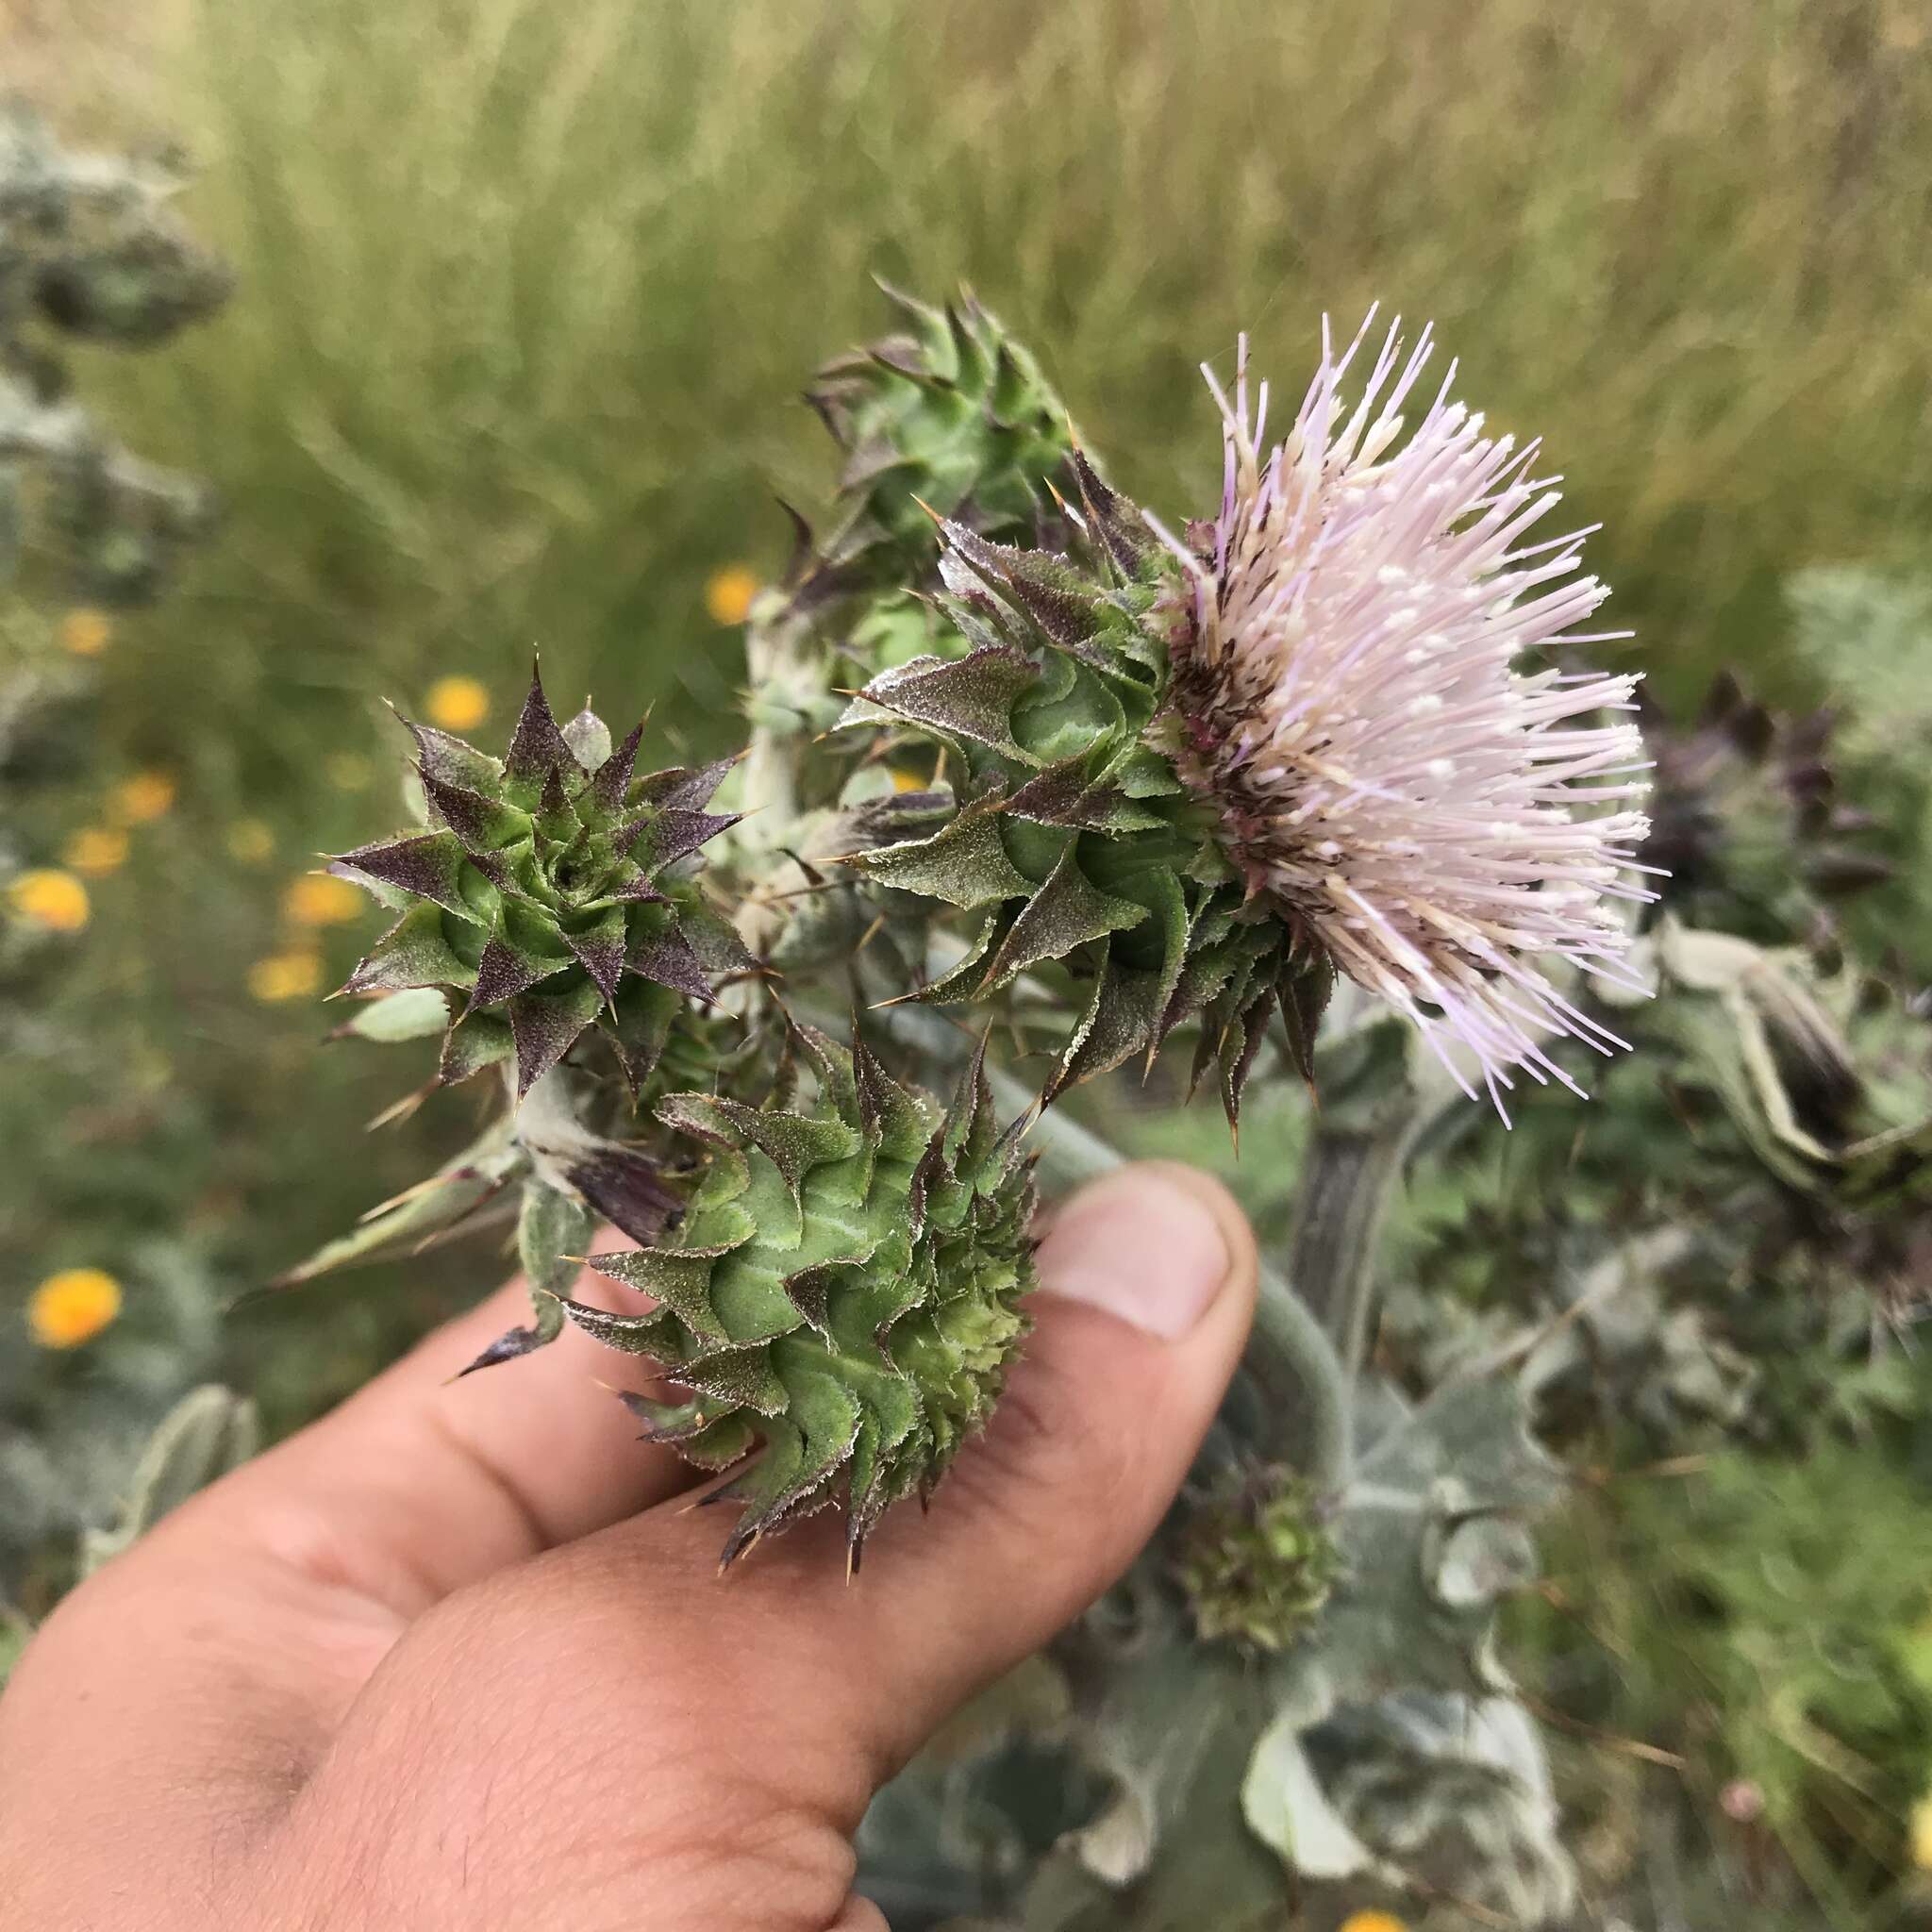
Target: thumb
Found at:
1146, 1291
782, 1691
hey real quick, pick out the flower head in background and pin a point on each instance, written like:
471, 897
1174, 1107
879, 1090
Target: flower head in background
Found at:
319, 898
728, 593
86, 632
294, 974
97, 850
457, 704
49, 898
1444, 820
73, 1306
143, 798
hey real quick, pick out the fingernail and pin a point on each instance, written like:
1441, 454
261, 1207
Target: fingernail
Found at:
1141, 1245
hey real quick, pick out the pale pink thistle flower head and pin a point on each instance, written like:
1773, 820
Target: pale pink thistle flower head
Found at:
1364, 696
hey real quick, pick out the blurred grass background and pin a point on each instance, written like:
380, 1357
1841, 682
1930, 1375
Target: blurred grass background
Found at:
527, 296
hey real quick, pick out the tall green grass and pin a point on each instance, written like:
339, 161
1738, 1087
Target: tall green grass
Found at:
529, 291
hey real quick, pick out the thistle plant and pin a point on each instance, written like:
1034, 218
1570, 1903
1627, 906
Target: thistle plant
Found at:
1314, 790
1163, 786
1204, 775
91, 251
1753, 823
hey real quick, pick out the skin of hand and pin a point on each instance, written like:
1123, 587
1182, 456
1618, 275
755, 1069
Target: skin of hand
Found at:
458, 1658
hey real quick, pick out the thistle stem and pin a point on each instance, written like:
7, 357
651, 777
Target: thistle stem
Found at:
772, 756
1301, 1381
769, 793
1348, 1180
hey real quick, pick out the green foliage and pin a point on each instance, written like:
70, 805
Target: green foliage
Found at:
73, 1425
1864, 633
208, 1432
1752, 818
1768, 1619
1814, 1649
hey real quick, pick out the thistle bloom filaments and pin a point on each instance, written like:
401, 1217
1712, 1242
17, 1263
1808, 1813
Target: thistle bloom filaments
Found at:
1438, 820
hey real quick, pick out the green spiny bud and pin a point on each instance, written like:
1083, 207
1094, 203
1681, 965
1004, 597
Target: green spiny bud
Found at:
1257, 1559
954, 414
551, 893
843, 1299
90, 251
134, 288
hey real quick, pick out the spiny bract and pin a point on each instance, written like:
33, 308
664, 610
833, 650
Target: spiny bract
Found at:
845, 1290
1075, 841
552, 892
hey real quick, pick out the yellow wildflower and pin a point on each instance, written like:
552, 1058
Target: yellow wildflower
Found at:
457, 704
145, 797
319, 898
73, 1306
348, 771
728, 593
1372, 1921
250, 841
86, 632
49, 898
1921, 1833
97, 850
290, 975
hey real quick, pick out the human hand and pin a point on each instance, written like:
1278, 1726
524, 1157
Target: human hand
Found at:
456, 1660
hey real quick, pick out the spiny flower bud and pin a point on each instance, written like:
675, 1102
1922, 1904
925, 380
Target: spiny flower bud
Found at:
954, 413
842, 1298
1257, 1560
552, 892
